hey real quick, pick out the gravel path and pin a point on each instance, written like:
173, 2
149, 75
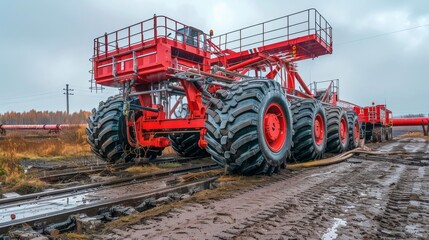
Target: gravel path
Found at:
357, 199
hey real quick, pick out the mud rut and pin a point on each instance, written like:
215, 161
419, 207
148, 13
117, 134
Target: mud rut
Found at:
356, 199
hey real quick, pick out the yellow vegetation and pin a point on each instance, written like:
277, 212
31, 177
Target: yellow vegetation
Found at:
144, 169
414, 134
25, 186
14, 147
75, 236
70, 143
169, 165
13, 178
190, 177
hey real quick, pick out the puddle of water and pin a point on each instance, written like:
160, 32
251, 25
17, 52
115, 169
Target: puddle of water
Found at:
421, 172
41, 208
319, 174
331, 233
415, 147
414, 230
388, 147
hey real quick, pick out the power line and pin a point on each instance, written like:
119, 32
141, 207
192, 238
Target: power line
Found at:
382, 34
30, 96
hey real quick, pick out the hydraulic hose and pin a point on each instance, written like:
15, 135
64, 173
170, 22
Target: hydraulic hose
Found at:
338, 158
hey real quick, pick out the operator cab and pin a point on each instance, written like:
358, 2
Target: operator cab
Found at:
193, 35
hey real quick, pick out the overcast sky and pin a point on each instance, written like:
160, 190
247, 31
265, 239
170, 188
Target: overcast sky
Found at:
381, 48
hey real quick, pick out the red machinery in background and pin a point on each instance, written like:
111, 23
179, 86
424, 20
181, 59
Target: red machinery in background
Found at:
237, 96
376, 122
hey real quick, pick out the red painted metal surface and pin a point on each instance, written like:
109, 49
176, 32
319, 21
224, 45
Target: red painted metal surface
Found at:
275, 127
410, 121
343, 130
319, 129
158, 49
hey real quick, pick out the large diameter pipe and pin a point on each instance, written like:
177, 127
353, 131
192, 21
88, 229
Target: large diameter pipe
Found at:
40, 126
410, 121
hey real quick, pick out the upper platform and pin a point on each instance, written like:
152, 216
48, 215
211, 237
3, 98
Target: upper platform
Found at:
294, 37
146, 50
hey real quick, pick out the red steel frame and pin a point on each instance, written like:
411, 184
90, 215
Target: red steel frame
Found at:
141, 57
144, 57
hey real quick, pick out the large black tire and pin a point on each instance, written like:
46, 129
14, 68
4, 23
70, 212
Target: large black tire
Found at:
150, 153
389, 133
106, 133
353, 123
382, 134
376, 135
334, 117
103, 130
186, 144
235, 127
305, 146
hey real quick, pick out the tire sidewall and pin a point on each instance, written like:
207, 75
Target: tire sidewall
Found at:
319, 110
355, 121
274, 158
344, 145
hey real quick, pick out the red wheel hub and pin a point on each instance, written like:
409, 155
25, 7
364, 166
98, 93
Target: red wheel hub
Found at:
343, 130
319, 129
356, 130
275, 127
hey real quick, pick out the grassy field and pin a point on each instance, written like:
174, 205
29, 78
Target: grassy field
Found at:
415, 135
14, 147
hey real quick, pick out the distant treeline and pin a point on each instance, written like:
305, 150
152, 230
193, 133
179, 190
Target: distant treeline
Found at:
43, 117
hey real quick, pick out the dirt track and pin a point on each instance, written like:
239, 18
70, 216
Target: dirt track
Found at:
363, 199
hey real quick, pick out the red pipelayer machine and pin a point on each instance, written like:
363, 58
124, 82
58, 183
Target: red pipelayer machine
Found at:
236, 97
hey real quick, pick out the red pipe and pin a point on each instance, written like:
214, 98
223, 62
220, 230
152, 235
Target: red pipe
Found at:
40, 127
302, 83
410, 121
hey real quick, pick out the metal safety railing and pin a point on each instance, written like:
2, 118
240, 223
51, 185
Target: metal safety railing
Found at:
327, 88
284, 28
288, 27
144, 33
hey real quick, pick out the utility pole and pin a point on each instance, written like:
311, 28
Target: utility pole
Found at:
67, 93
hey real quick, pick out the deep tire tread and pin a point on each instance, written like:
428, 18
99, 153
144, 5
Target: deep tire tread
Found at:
232, 120
304, 146
186, 144
333, 118
104, 133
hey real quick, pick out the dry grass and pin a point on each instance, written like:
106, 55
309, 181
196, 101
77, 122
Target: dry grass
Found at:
415, 135
10, 170
75, 236
168, 151
70, 143
144, 169
190, 177
25, 186
13, 148
169, 165
12, 177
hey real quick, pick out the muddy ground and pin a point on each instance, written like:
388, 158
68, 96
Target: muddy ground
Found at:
356, 199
